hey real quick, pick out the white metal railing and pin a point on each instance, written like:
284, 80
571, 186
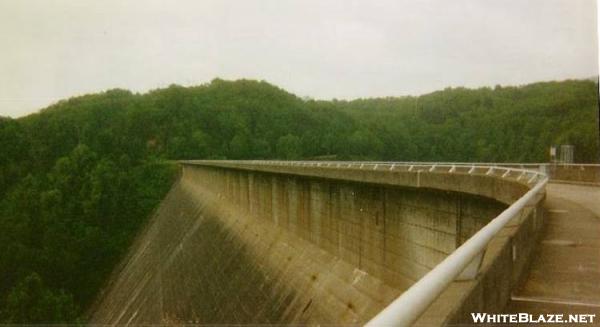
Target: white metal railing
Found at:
400, 163
407, 308
503, 170
549, 169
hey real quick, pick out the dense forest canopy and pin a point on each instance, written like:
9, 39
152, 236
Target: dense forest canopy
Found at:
79, 178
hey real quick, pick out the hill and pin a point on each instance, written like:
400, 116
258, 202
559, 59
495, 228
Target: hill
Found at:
79, 178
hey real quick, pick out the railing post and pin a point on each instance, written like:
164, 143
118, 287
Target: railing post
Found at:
472, 269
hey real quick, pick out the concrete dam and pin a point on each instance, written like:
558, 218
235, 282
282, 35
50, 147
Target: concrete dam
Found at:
258, 242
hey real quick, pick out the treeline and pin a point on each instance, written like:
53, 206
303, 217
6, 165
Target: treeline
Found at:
503, 124
78, 179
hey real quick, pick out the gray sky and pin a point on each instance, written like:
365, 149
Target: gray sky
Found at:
324, 49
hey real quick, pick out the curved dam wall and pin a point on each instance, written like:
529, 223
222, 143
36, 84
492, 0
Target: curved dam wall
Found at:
238, 243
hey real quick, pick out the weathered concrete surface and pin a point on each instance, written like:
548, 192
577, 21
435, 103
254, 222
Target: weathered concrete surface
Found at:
565, 272
245, 244
587, 197
201, 263
397, 234
480, 183
585, 174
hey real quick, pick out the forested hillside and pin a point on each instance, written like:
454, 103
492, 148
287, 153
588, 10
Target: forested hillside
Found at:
78, 179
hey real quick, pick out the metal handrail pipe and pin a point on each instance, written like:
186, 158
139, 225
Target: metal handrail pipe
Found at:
407, 308
499, 164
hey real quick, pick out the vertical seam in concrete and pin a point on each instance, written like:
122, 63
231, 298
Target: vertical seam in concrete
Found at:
362, 230
160, 295
384, 217
458, 221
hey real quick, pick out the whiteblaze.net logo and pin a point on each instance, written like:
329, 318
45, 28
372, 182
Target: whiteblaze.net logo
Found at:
526, 318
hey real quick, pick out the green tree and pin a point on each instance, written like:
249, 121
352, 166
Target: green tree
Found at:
30, 301
289, 147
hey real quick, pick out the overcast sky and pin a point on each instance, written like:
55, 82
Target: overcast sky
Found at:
323, 49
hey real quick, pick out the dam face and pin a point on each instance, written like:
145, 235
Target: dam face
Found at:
233, 244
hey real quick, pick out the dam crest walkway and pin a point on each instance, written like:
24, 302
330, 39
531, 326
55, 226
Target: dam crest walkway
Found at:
565, 271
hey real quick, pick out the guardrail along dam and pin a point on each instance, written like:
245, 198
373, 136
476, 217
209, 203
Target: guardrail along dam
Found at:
262, 242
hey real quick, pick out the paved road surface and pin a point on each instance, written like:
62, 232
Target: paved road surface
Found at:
565, 273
